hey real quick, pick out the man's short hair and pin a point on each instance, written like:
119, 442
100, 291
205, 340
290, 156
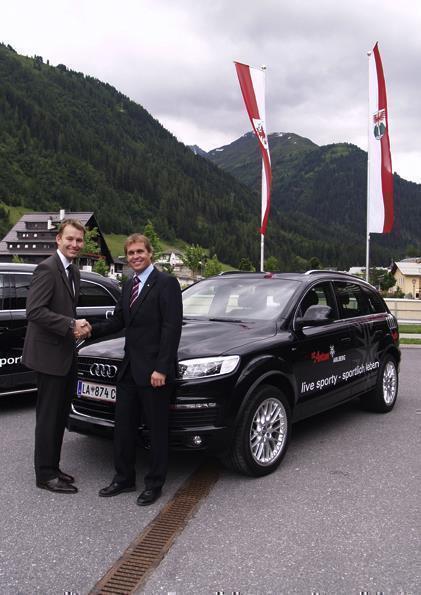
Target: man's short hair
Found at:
74, 223
138, 237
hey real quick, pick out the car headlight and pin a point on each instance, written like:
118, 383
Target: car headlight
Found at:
203, 367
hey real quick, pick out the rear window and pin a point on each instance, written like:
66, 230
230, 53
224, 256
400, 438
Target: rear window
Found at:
375, 301
21, 283
243, 299
92, 294
351, 300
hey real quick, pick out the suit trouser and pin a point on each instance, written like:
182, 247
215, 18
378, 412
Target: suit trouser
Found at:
153, 404
55, 394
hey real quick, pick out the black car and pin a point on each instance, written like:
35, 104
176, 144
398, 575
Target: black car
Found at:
98, 296
259, 352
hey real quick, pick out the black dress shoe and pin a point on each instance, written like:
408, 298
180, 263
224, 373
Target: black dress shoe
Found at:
65, 477
116, 488
148, 496
58, 486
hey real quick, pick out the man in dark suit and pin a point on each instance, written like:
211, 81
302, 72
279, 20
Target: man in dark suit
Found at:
150, 311
50, 350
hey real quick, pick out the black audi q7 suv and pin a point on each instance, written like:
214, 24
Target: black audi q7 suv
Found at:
258, 352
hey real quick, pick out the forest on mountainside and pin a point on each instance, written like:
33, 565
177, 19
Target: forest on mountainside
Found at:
70, 141
319, 197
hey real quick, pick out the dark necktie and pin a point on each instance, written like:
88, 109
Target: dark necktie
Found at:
71, 278
135, 290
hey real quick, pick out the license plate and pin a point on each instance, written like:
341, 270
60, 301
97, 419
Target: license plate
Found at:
99, 392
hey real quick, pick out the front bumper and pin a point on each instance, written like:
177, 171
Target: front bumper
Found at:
185, 432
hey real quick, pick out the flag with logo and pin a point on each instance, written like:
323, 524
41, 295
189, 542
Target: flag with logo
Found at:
252, 84
380, 176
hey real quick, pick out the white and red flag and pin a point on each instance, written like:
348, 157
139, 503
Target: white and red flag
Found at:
380, 176
252, 83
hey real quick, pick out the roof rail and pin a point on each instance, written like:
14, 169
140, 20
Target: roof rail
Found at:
237, 272
330, 271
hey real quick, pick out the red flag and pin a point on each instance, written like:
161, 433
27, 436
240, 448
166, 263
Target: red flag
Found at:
380, 190
252, 83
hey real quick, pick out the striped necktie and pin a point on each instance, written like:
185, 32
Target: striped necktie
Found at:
135, 290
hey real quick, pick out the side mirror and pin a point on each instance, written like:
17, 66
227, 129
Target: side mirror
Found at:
314, 316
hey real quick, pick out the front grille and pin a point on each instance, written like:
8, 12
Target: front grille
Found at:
192, 419
179, 420
92, 408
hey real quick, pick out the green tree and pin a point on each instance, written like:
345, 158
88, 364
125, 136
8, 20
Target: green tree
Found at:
299, 264
387, 281
194, 258
272, 264
212, 267
150, 233
101, 267
91, 242
245, 264
314, 263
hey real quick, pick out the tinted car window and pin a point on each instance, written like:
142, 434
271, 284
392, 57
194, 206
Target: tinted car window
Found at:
351, 300
5, 292
92, 294
375, 303
262, 299
21, 287
2, 292
320, 295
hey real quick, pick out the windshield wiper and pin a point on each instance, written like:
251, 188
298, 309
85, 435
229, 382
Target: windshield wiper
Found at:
226, 320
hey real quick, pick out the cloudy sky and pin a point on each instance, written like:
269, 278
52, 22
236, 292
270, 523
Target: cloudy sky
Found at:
175, 57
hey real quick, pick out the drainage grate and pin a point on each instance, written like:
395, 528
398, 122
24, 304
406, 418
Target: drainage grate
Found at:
145, 553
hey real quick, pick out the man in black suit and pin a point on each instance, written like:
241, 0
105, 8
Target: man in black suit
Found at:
150, 310
50, 350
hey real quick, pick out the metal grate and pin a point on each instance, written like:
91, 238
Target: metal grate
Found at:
144, 554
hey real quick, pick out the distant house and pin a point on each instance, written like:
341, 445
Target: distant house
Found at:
174, 261
408, 276
32, 239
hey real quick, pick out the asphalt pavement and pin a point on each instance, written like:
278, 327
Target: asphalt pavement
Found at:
340, 516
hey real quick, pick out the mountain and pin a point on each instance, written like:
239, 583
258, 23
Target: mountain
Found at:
197, 150
319, 200
71, 141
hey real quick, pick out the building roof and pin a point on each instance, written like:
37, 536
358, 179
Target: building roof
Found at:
36, 246
408, 268
12, 235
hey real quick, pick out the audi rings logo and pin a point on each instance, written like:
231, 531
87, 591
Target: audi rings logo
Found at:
103, 370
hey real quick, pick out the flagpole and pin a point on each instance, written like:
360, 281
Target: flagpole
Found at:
367, 253
262, 235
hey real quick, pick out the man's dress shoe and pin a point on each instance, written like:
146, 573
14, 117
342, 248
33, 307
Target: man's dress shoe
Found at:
65, 477
58, 486
148, 496
116, 488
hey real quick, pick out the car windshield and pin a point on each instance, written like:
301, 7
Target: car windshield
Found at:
238, 299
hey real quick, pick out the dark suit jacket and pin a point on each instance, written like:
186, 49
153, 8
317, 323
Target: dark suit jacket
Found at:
153, 327
49, 343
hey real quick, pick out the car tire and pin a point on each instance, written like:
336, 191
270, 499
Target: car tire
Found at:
383, 398
262, 434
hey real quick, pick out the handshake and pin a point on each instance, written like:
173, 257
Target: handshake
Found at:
82, 329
